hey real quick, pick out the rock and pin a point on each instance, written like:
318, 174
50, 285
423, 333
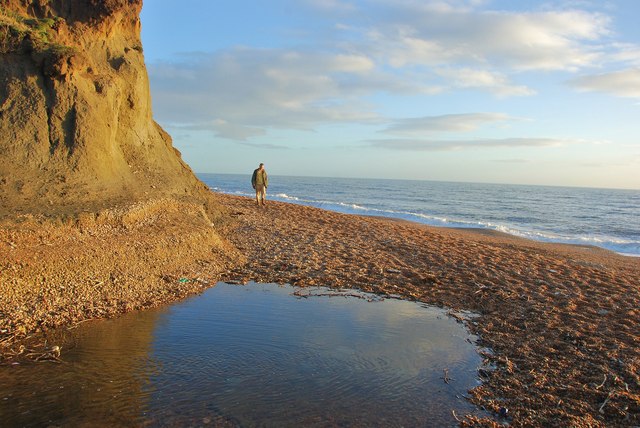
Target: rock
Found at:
79, 128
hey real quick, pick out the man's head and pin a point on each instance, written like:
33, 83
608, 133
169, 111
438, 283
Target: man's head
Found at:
261, 166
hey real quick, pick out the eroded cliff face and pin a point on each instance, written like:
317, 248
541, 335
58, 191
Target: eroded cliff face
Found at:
76, 126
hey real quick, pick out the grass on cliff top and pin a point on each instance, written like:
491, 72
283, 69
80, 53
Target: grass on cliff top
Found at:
14, 28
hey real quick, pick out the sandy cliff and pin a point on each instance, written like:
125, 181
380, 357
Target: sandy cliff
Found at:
98, 213
76, 127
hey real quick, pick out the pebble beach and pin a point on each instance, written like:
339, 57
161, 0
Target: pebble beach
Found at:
558, 323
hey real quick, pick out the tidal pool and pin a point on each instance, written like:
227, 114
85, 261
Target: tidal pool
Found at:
254, 355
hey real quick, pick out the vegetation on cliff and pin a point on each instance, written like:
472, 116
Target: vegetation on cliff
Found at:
18, 32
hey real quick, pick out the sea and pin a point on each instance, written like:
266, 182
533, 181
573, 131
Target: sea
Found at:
607, 218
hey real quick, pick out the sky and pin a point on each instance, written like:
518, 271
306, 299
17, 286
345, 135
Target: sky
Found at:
489, 91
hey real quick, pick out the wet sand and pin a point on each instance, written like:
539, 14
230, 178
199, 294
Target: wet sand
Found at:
561, 321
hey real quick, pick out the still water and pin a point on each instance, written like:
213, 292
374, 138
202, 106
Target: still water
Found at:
254, 355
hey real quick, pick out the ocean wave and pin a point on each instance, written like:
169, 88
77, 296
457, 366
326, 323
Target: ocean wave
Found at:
626, 247
286, 197
621, 246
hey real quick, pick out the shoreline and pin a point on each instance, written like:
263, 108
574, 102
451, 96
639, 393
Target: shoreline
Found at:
507, 236
572, 311
471, 227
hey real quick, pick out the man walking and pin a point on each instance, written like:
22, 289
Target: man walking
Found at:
260, 181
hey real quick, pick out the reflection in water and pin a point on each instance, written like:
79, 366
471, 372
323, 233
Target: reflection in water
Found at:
253, 356
102, 379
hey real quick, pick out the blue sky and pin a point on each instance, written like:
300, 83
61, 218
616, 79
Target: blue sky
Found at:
527, 92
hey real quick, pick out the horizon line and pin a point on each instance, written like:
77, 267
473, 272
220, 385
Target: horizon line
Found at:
437, 181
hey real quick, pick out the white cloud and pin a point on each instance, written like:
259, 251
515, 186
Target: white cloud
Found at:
352, 63
444, 124
241, 92
441, 145
222, 128
512, 161
436, 33
623, 83
400, 48
626, 53
496, 83
331, 5
268, 146
459, 45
